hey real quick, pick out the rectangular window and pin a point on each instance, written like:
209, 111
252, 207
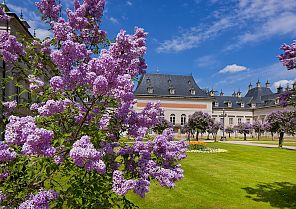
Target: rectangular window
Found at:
222, 120
230, 121
248, 120
239, 120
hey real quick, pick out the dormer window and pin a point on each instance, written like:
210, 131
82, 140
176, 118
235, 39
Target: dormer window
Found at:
192, 91
150, 90
253, 105
242, 104
216, 104
189, 82
277, 100
172, 91
148, 80
229, 104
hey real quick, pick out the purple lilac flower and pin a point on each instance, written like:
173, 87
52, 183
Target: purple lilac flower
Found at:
51, 107
9, 107
85, 155
40, 201
10, 48
34, 107
121, 186
38, 143
3, 16
2, 197
62, 30
100, 85
289, 57
6, 153
70, 53
57, 83
4, 175
35, 82
18, 129
49, 9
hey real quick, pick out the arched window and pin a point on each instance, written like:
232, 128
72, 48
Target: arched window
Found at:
183, 119
173, 119
150, 90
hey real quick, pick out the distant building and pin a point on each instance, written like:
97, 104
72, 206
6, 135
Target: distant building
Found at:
180, 97
16, 26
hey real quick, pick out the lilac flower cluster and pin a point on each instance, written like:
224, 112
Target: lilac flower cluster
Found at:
43, 46
289, 57
85, 155
41, 200
49, 9
69, 54
10, 48
6, 153
2, 197
35, 83
23, 131
3, 16
51, 107
4, 175
162, 168
9, 107
284, 98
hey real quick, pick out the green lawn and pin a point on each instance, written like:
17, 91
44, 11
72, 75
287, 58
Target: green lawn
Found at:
244, 177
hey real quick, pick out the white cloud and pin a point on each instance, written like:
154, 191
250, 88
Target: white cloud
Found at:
284, 83
233, 69
129, 3
193, 37
261, 19
114, 20
206, 61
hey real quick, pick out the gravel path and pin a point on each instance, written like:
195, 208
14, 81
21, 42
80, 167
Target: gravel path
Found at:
258, 145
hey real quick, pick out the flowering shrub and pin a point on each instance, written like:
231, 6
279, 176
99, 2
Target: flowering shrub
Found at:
196, 145
67, 151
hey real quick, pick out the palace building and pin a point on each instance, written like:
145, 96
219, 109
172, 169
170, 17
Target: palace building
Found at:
180, 97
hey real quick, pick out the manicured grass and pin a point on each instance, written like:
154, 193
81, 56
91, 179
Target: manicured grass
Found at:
244, 177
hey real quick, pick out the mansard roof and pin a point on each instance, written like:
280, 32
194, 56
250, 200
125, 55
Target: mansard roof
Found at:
235, 101
183, 86
258, 93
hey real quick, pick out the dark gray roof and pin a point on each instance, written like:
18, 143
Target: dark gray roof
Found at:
235, 101
257, 93
162, 83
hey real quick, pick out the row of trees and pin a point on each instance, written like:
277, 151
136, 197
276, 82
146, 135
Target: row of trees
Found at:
276, 122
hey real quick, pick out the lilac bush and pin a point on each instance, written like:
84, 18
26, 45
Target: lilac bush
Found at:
229, 130
199, 122
64, 150
214, 127
258, 127
281, 122
244, 128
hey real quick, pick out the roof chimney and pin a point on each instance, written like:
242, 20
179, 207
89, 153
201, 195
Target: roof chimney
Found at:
258, 84
212, 93
221, 93
234, 94
250, 86
267, 84
279, 89
287, 87
239, 93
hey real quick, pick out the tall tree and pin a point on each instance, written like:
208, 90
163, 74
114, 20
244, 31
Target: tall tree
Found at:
214, 127
229, 130
199, 122
258, 127
281, 122
244, 128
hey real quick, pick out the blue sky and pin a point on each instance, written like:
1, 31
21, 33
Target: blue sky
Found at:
223, 44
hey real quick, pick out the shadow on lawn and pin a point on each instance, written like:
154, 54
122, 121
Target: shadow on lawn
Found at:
278, 194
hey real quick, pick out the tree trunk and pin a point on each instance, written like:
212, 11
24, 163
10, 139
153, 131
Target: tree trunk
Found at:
208, 135
281, 139
245, 136
196, 137
229, 135
258, 136
215, 137
272, 138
